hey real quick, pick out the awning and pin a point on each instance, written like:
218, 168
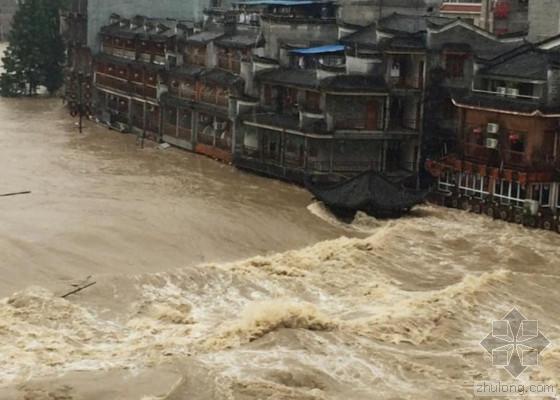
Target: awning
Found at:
335, 48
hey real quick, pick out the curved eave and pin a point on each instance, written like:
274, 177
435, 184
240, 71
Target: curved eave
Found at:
536, 113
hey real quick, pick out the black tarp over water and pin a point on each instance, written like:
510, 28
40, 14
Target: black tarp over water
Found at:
369, 192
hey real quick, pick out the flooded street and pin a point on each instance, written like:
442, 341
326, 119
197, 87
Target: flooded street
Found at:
212, 283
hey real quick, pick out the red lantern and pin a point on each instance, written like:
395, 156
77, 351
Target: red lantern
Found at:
513, 137
502, 9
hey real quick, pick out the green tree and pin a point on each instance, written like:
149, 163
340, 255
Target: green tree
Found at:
36, 54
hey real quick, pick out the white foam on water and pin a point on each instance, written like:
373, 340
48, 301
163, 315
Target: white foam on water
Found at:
351, 317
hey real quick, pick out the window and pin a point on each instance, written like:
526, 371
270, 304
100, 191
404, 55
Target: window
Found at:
541, 193
517, 141
510, 193
455, 65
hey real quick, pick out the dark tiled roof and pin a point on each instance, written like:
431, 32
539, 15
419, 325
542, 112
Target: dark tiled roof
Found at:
367, 36
123, 61
400, 23
503, 103
216, 76
354, 83
290, 77
188, 71
402, 42
146, 28
222, 78
205, 37
241, 40
483, 45
532, 64
265, 60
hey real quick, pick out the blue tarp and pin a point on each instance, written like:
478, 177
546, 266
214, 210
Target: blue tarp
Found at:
333, 48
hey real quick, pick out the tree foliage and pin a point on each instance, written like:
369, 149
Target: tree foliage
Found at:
36, 53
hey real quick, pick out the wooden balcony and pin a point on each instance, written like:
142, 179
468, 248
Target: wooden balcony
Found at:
112, 82
229, 64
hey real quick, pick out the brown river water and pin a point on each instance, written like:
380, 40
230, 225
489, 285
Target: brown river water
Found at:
212, 283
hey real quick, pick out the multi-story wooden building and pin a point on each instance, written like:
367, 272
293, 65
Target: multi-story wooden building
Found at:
506, 164
134, 54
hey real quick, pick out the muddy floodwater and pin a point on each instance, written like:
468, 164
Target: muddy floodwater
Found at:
211, 283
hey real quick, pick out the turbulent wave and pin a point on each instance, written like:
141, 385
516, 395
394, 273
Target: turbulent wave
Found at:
259, 319
441, 315
351, 317
361, 222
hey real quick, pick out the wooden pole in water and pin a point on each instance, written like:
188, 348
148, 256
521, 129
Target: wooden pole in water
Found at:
81, 102
15, 194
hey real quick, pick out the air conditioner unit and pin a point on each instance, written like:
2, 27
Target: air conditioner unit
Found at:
512, 92
491, 143
220, 126
493, 128
502, 90
531, 207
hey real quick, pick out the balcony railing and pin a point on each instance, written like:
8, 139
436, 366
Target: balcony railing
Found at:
403, 124
185, 134
206, 139
224, 143
350, 123
356, 166
113, 83
405, 83
169, 129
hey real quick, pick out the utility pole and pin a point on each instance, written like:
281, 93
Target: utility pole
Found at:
80, 101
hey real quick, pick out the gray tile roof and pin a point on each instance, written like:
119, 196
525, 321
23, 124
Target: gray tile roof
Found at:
205, 37
148, 28
355, 83
483, 45
411, 23
532, 64
503, 103
245, 39
290, 77
365, 37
